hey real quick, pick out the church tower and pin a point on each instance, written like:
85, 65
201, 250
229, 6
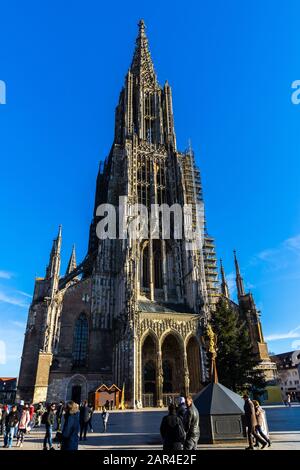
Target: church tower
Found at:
162, 299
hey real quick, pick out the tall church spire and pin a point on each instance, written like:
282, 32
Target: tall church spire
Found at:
53, 268
239, 279
54, 260
72, 262
142, 65
224, 285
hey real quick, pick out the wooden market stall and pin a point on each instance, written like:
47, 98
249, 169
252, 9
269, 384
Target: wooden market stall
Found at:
109, 397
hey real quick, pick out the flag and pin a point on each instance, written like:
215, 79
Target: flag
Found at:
123, 397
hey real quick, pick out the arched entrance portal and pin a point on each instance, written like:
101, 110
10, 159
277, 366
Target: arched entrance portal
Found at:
173, 368
77, 389
149, 371
194, 365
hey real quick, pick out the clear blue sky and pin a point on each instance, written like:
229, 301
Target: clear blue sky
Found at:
230, 64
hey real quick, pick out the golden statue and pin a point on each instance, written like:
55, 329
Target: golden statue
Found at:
212, 348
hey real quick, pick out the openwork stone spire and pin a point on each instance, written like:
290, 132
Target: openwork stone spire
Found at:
72, 262
142, 65
239, 279
224, 285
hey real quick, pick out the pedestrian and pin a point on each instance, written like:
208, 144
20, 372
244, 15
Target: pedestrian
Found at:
31, 414
22, 426
172, 431
181, 410
84, 416
59, 414
288, 399
191, 425
90, 423
48, 420
251, 423
111, 404
1, 423
71, 427
105, 416
261, 423
11, 421
39, 413
4, 413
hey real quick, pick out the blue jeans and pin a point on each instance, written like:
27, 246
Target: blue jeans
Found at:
8, 436
48, 436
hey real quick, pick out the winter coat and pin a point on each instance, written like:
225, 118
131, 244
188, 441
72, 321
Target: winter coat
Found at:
4, 415
50, 418
24, 419
70, 429
260, 416
12, 419
60, 410
191, 423
31, 412
172, 432
250, 415
85, 413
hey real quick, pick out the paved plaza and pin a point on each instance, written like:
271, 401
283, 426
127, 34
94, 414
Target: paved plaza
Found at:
140, 430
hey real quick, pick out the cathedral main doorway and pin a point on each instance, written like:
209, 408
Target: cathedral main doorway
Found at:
173, 368
149, 371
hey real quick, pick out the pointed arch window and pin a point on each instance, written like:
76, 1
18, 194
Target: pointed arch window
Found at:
80, 341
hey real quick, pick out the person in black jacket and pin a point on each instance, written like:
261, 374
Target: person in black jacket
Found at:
49, 423
172, 431
191, 425
59, 414
84, 417
11, 421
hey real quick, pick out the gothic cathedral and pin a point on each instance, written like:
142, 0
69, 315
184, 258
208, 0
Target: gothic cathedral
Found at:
133, 312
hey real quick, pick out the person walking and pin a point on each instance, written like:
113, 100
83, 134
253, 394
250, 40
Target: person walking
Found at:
191, 425
251, 423
105, 416
22, 426
90, 423
39, 413
172, 431
49, 420
261, 423
3, 415
84, 417
11, 421
31, 414
288, 399
59, 414
71, 427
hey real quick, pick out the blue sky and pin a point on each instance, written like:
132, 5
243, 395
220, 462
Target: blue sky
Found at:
230, 65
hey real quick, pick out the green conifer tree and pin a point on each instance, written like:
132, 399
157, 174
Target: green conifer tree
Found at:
236, 363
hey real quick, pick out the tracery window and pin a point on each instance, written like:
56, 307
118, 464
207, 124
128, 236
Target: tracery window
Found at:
80, 341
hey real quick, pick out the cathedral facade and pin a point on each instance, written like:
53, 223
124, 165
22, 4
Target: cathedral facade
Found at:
134, 311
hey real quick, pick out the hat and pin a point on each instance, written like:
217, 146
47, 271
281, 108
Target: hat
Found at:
181, 400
